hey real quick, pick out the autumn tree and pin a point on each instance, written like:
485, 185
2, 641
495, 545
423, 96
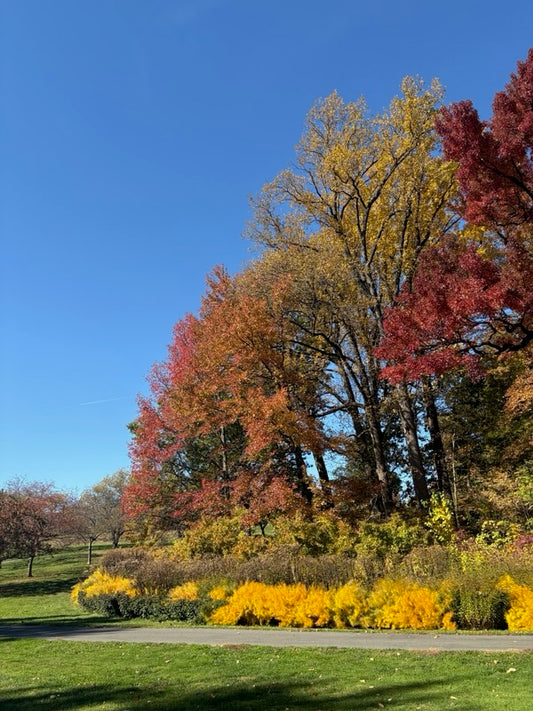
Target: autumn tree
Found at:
36, 517
473, 297
99, 511
367, 196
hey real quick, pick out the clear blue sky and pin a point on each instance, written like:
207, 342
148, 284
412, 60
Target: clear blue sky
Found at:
132, 133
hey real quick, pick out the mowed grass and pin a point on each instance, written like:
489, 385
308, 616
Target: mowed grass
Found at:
82, 675
45, 598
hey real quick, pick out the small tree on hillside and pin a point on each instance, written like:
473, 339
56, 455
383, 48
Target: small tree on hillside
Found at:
35, 516
99, 512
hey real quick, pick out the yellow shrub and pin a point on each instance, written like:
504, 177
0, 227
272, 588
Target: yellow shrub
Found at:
348, 605
283, 605
187, 591
298, 606
221, 592
391, 604
520, 614
100, 583
396, 604
248, 605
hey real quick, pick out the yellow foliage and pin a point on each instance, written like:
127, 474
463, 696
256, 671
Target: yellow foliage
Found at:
284, 605
391, 604
187, 591
348, 605
221, 592
520, 614
396, 604
100, 583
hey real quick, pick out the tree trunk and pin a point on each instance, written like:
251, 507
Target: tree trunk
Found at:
414, 454
323, 478
90, 552
301, 473
381, 467
30, 566
437, 446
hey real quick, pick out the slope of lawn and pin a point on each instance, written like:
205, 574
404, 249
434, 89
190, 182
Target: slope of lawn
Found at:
44, 598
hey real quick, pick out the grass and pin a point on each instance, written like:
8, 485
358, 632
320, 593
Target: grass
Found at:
78, 676
83, 676
45, 598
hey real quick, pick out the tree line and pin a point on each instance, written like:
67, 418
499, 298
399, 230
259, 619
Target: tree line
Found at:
378, 348
37, 518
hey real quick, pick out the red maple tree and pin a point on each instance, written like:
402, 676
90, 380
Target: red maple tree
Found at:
473, 298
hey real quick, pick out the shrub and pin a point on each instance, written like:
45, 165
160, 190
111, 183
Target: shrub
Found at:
497, 533
210, 537
101, 583
393, 538
479, 609
440, 521
283, 605
349, 605
397, 604
519, 616
187, 591
427, 564
324, 534
161, 609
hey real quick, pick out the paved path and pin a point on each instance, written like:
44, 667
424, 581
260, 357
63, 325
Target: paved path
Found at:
276, 637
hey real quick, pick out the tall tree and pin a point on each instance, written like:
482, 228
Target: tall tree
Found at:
474, 297
368, 195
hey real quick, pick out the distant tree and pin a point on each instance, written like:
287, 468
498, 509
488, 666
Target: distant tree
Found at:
36, 517
99, 512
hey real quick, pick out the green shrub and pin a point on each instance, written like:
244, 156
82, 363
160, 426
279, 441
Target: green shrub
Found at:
479, 609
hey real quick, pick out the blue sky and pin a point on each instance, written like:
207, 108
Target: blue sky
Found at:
132, 134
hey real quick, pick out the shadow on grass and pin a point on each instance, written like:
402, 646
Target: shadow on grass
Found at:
53, 622
33, 587
249, 697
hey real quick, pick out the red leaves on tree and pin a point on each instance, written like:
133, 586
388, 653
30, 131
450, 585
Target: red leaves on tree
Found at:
495, 170
462, 303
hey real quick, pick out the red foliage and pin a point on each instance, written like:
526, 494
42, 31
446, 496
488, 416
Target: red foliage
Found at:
263, 495
495, 160
460, 306
461, 303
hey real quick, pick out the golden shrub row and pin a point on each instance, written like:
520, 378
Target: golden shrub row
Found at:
391, 604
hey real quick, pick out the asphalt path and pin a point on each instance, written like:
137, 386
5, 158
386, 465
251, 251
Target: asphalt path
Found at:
224, 636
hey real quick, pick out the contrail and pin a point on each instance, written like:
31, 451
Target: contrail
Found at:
98, 402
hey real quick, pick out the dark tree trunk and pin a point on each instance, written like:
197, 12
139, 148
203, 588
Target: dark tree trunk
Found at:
414, 454
30, 566
323, 478
437, 446
301, 473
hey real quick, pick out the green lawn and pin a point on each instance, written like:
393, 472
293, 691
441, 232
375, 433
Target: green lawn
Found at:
81, 676
44, 598
72, 676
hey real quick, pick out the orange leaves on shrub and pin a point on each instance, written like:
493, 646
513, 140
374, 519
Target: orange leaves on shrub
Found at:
520, 614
